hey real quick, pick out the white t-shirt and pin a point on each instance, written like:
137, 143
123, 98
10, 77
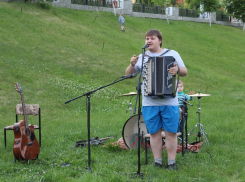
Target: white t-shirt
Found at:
147, 100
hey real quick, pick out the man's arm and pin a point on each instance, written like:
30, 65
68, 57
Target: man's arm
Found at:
130, 68
181, 71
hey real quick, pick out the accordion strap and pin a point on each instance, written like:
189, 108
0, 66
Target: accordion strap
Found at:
161, 54
177, 80
165, 52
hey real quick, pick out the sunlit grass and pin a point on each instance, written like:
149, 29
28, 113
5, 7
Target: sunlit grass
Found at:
61, 54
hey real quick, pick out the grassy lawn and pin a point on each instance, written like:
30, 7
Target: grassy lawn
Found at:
60, 54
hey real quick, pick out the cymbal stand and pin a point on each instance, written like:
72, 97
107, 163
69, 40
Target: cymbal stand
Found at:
130, 107
201, 131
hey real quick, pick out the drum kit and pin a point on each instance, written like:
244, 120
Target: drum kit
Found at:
131, 126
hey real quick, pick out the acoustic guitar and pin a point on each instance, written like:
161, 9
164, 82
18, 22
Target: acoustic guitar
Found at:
26, 146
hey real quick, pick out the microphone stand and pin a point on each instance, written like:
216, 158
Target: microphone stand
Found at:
138, 88
88, 94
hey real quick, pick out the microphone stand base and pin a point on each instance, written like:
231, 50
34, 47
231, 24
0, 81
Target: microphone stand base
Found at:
138, 174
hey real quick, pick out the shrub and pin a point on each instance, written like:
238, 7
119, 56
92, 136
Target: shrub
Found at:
44, 4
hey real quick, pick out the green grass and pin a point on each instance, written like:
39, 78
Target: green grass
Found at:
61, 54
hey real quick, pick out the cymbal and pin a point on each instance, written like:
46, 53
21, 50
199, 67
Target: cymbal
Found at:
130, 93
200, 95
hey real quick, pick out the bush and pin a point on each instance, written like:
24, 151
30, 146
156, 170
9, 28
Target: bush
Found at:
44, 4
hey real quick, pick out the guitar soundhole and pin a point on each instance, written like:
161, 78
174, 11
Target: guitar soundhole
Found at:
32, 136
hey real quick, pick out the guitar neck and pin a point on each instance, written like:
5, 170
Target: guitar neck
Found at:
24, 110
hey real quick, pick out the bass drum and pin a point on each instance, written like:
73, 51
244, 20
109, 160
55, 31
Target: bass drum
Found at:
130, 131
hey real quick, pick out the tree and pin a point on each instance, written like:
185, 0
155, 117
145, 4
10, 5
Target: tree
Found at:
173, 2
236, 8
147, 2
160, 2
193, 4
209, 6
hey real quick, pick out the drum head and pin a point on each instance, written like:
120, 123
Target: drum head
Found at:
130, 130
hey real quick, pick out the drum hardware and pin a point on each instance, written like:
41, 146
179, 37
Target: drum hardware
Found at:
130, 104
184, 117
129, 108
201, 131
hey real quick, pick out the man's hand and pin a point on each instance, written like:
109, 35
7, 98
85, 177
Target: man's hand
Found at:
134, 60
174, 70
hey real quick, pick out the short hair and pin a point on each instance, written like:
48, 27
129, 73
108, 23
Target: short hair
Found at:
155, 32
180, 82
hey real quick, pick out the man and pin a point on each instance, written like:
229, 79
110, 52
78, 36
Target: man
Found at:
160, 114
121, 21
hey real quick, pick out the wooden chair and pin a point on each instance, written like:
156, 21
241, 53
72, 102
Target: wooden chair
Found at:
31, 109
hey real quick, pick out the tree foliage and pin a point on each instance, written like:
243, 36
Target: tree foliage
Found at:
209, 5
147, 2
157, 2
174, 2
236, 8
193, 4
160, 2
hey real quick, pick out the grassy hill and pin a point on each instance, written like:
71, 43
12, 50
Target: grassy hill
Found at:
60, 54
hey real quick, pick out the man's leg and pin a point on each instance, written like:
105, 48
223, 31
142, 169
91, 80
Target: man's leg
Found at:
171, 144
156, 145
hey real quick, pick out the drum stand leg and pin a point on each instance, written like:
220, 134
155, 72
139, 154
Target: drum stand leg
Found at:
201, 131
184, 131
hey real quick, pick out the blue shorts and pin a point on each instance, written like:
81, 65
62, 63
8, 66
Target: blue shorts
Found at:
157, 117
121, 23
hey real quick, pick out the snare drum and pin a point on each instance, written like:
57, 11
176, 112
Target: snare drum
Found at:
130, 130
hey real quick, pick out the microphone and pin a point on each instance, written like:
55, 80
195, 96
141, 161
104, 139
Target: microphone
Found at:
130, 75
145, 46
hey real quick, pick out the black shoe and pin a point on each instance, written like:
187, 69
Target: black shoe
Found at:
172, 167
157, 165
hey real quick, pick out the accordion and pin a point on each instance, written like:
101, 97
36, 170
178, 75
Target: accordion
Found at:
158, 82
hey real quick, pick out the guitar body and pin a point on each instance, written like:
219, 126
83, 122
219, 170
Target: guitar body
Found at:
26, 146
17, 141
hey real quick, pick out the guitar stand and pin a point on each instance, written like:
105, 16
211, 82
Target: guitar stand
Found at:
201, 131
26, 160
